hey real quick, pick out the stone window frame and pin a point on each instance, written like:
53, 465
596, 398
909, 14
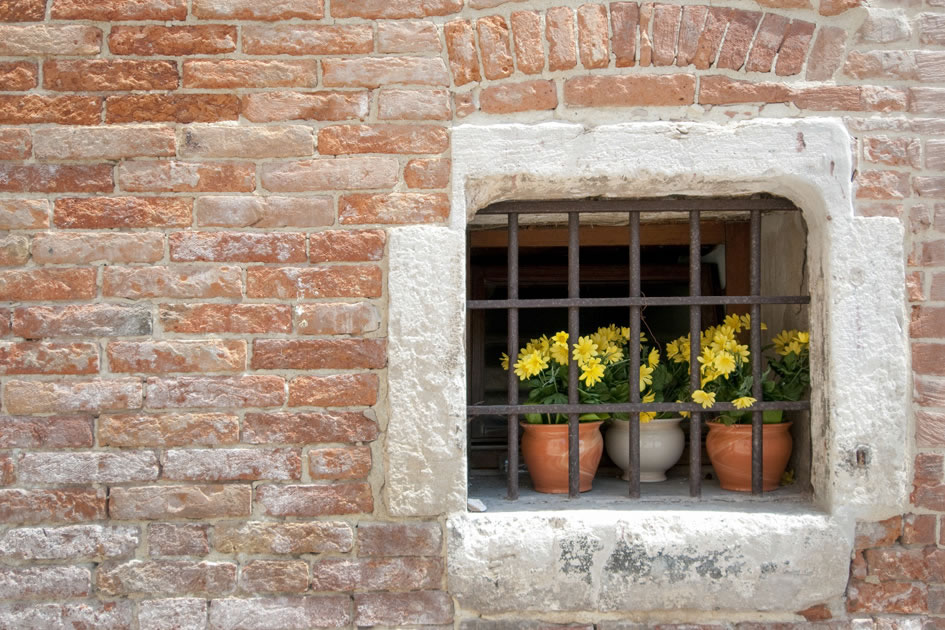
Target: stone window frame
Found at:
606, 561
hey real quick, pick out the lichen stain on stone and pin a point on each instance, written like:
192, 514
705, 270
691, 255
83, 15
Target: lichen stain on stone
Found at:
633, 561
577, 556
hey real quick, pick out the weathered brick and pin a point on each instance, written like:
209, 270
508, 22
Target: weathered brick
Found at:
331, 174
25, 109
630, 91
214, 141
889, 597
927, 100
274, 576
720, 90
878, 534
738, 38
393, 208
45, 432
412, 608
18, 76
341, 574
14, 250
89, 247
179, 281
929, 254
44, 582
172, 41
341, 390
268, 537
249, 73
407, 36
15, 144
393, 9
340, 463
74, 543
882, 185
400, 539
236, 247
318, 354
216, 391
179, 502
929, 392
710, 39
519, 97
313, 282
347, 245
931, 28
310, 501
121, 212
646, 44
103, 143
929, 187
182, 429
767, 42
178, 539
306, 39
7, 470
70, 396
22, 10
86, 320
173, 107
930, 496
427, 173
76, 614
624, 17
918, 529
92, 467
930, 428
593, 36
494, 45
892, 151
98, 75
158, 357
165, 577
294, 613
325, 105
172, 614
413, 105
881, 64
35, 285
928, 467
559, 32
219, 464
343, 139
527, 40
265, 10
178, 176
927, 321
794, 48
34, 357
228, 318
935, 156
690, 29
24, 214
34, 506
372, 72
119, 10
48, 178
264, 212
827, 53
307, 428
49, 39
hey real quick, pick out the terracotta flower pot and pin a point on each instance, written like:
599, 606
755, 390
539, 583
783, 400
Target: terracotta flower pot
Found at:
545, 449
661, 443
729, 450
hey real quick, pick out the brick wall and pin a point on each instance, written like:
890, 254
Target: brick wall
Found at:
193, 203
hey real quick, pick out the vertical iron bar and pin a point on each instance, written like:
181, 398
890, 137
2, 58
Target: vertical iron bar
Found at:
757, 425
695, 329
512, 482
634, 350
574, 291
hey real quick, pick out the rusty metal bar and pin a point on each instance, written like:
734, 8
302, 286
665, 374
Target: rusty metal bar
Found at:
491, 410
574, 321
639, 205
634, 375
708, 300
695, 326
757, 417
512, 473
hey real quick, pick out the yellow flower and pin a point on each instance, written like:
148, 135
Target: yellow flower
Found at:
593, 372
706, 399
803, 338
535, 363
654, 358
505, 362
746, 323
742, 352
625, 332
646, 416
744, 402
559, 352
684, 414
585, 349
646, 376
520, 370
734, 321
781, 340
560, 337
724, 363
613, 354
672, 349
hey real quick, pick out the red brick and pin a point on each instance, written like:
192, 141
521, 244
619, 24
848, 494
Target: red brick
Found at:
331, 174
347, 245
37, 40
97, 75
249, 73
526, 37
172, 41
793, 50
427, 173
711, 38
178, 539
836, 7
393, 9
215, 391
14, 250
393, 208
340, 463
372, 72
165, 577
929, 392
630, 91
265, 10
342, 574
400, 539
311, 501
738, 38
15, 144
274, 576
928, 254
24, 214
326, 105
927, 321
181, 108
33, 397
34, 357
39, 285
318, 354
928, 466
342, 139
720, 90
179, 502
767, 42
307, 428
495, 48
56, 178
103, 143
827, 53
86, 468
890, 597
89, 247
45, 432
624, 17
119, 10
178, 176
314, 282
464, 104
519, 97
341, 390
559, 31
225, 318
930, 496
407, 36
87, 320
22, 10
918, 529
267, 537
122, 212
413, 105
882, 185
158, 357
690, 30
878, 534
393, 609
264, 212
224, 464
44, 582
18, 76
666, 20
930, 428
897, 563
462, 51
258, 613
30, 507
236, 247
179, 429
306, 39
7, 470
180, 281
927, 359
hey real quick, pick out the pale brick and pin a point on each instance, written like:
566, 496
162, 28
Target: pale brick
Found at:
249, 73
427, 173
494, 46
294, 613
122, 212
92, 467
593, 36
267, 537
836, 7
31, 507
518, 97
929, 392
314, 282
27, 109
49, 39
630, 91
181, 429
166, 577
342, 390
218, 141
738, 38
927, 100
173, 107
74, 543
178, 539
319, 354
646, 45
15, 144
172, 41
28, 397
930, 187
326, 105
331, 174
935, 155
767, 42
307, 428
932, 28
119, 10
172, 614
347, 139
179, 281
375, 72
82, 614
883, 99
158, 357
229, 318
281, 247
103, 143
624, 17
559, 32
413, 105
307, 39
266, 10
86, 320
400, 539
378, 574
827, 53
892, 151
885, 26
179, 502
393, 9
881, 64
264, 212
794, 48
930, 66
393, 208
882, 185
407, 609
14, 250
526, 37
178, 176
464, 104
311, 501
31, 357
347, 245
100, 75
45, 432
690, 29
407, 36
215, 391
340, 462
24, 214
219, 464
95, 247
35, 285
274, 576
44, 582
666, 21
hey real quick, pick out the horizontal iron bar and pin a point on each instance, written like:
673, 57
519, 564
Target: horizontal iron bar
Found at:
499, 410
637, 205
707, 300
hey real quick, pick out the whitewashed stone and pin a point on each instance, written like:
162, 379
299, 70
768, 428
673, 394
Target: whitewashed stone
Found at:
172, 614
74, 542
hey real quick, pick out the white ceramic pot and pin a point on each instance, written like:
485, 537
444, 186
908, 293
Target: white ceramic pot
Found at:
661, 443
